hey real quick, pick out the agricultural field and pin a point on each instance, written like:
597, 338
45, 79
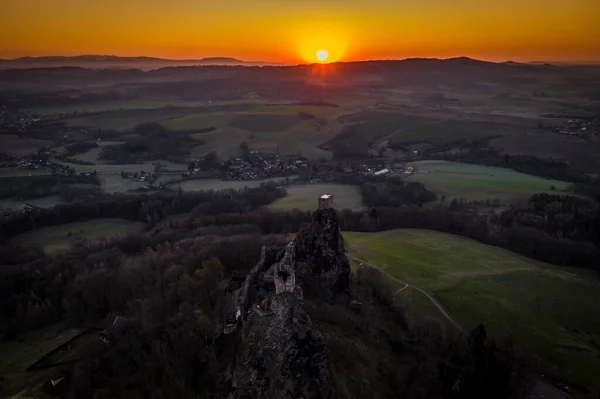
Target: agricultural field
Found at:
196, 122
478, 182
17, 146
215, 184
225, 141
111, 105
304, 197
267, 128
128, 119
580, 153
43, 202
404, 129
259, 123
91, 156
57, 238
547, 310
17, 172
318, 111
18, 355
125, 120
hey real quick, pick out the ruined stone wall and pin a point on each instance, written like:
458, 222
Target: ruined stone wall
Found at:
243, 297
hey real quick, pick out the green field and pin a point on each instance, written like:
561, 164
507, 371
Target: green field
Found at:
225, 141
215, 184
546, 310
404, 129
259, 123
478, 182
111, 105
304, 197
195, 122
57, 238
42, 202
318, 111
128, 119
266, 128
18, 355
19, 146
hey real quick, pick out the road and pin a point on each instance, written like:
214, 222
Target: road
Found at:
360, 262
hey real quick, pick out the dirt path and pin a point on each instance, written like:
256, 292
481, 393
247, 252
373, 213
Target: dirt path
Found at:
360, 262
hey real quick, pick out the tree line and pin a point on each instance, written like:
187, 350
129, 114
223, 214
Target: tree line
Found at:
144, 208
546, 242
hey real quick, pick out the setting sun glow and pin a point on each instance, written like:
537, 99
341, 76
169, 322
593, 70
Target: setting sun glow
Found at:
322, 55
294, 31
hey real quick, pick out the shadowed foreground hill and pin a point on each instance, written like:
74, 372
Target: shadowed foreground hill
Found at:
290, 321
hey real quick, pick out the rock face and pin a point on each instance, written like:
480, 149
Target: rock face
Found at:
320, 254
282, 356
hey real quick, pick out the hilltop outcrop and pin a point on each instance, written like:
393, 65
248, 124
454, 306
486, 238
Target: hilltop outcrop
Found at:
320, 254
281, 355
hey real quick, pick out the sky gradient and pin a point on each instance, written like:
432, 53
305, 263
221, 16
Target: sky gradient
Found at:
292, 31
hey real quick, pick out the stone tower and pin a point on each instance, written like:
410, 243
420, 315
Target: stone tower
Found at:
326, 201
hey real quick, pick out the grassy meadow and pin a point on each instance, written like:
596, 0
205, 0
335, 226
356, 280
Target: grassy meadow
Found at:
216, 184
18, 355
479, 182
267, 128
304, 197
546, 310
404, 129
19, 146
57, 238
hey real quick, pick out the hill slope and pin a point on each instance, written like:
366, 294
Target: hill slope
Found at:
549, 311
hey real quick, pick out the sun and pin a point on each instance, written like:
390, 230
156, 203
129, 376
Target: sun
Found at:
322, 55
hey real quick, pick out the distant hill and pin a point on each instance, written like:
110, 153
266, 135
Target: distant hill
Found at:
112, 61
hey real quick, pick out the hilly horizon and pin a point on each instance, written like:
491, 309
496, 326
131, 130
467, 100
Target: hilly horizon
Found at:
113, 61
95, 61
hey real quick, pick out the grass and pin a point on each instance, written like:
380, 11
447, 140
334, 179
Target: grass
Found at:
127, 119
225, 141
18, 355
57, 238
102, 106
42, 202
548, 311
17, 146
582, 154
318, 111
405, 129
264, 123
195, 122
304, 197
478, 182
215, 184
267, 128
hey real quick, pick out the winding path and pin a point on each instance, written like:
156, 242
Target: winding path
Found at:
360, 262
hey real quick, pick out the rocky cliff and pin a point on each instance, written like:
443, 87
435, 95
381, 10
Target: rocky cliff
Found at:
282, 356
320, 254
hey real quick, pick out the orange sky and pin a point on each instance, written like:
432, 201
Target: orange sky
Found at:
293, 31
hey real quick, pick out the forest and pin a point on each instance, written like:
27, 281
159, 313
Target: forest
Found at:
170, 282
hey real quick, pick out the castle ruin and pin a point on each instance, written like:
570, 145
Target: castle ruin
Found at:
274, 274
